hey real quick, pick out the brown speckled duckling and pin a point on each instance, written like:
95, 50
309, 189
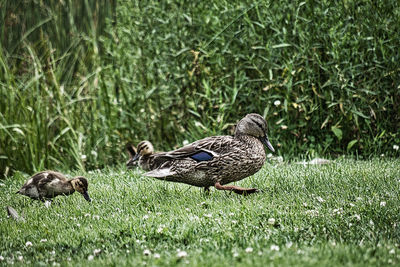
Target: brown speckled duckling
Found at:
217, 160
49, 184
143, 155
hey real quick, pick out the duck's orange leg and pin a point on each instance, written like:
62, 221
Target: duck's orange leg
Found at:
236, 189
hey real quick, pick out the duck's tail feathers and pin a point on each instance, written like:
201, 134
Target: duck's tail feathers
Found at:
160, 173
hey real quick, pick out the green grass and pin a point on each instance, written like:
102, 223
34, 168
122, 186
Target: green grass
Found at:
344, 213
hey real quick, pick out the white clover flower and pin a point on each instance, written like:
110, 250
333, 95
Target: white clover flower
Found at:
383, 203
337, 211
185, 142
96, 251
156, 256
90, 257
96, 217
358, 217
78, 224
145, 217
277, 103
249, 250
313, 213
28, 244
396, 147
271, 221
1, 258
234, 222
274, 247
20, 258
392, 251
47, 203
259, 253
83, 157
289, 244
231, 214
235, 255
146, 252
182, 254
160, 229
320, 200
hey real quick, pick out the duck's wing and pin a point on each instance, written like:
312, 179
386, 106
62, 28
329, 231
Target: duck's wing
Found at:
202, 150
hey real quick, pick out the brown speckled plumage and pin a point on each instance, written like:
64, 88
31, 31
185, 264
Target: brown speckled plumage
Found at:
49, 184
218, 160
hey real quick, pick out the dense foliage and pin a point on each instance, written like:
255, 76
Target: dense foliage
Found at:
80, 79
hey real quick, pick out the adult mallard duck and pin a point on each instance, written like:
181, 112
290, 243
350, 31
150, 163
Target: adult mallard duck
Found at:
217, 160
143, 155
49, 184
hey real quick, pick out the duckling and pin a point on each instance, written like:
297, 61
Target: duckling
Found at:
217, 160
49, 184
144, 155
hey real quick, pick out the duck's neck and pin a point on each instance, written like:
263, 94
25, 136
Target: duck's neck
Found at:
144, 161
252, 143
248, 139
68, 188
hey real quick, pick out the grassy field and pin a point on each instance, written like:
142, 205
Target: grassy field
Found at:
343, 213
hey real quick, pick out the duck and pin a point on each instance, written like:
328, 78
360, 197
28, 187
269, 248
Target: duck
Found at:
143, 156
217, 161
48, 184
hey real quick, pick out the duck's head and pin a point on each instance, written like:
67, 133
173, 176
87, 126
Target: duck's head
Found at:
144, 148
80, 184
254, 125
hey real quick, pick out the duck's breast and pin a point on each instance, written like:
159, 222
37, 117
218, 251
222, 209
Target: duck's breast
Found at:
30, 191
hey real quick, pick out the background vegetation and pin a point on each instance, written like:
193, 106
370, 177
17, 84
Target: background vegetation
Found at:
79, 79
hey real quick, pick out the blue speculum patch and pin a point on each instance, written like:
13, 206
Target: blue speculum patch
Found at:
202, 156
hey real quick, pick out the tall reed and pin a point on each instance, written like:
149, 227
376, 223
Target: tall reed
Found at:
79, 79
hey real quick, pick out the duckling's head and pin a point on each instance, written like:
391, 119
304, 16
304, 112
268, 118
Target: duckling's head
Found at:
144, 148
80, 184
254, 125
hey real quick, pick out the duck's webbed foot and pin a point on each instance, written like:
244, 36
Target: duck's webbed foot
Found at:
236, 189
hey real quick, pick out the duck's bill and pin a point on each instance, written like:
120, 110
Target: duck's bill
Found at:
266, 142
135, 158
131, 164
86, 196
